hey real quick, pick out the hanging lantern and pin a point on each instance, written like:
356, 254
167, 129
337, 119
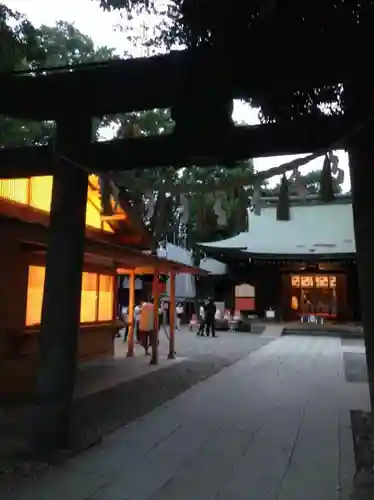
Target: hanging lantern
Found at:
283, 208
326, 185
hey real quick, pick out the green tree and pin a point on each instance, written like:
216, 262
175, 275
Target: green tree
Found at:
19, 41
312, 182
166, 221
49, 46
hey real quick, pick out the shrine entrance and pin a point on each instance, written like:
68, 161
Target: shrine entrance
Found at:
316, 294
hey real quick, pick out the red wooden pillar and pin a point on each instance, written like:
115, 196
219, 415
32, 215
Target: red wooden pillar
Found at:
172, 316
131, 318
154, 336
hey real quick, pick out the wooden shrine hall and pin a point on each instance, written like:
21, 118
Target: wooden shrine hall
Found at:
110, 244
281, 56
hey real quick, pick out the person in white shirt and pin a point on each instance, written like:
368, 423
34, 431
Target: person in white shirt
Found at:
136, 322
179, 312
200, 332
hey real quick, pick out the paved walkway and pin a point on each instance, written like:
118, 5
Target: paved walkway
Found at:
274, 426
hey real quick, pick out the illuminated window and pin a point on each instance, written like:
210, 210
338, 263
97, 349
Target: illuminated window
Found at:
41, 193
106, 298
37, 193
14, 190
96, 299
35, 288
93, 218
89, 298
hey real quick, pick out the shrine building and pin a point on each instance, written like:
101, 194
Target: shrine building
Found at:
112, 245
306, 265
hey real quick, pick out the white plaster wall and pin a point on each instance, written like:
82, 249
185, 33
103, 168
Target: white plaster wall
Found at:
213, 266
184, 283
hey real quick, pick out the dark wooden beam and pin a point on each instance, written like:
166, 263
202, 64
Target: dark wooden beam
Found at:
264, 65
302, 136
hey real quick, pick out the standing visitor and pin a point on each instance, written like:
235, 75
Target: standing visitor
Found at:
161, 310
146, 325
136, 322
179, 312
125, 319
210, 313
200, 332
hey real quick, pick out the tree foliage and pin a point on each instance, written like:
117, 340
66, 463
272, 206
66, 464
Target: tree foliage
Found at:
18, 41
311, 181
25, 47
166, 223
191, 23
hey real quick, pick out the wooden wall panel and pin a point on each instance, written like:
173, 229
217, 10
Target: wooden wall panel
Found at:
13, 286
18, 371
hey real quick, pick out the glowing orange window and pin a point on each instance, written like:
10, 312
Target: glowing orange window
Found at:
35, 289
89, 297
106, 297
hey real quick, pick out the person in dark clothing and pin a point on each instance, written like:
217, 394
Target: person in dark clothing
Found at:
210, 312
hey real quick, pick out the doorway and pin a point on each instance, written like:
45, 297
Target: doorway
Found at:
314, 294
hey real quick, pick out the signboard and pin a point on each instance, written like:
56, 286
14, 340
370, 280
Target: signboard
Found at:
245, 304
244, 290
313, 281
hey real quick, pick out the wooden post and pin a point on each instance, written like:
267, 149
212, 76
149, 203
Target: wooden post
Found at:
131, 318
154, 336
62, 291
360, 101
172, 316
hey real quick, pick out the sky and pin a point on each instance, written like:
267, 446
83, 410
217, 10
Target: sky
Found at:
103, 28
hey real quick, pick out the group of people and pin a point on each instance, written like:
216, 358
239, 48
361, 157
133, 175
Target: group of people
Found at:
144, 321
207, 318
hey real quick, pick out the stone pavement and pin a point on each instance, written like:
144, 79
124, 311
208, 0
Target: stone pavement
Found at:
275, 425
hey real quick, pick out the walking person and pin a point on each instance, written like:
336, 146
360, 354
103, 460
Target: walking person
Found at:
210, 313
